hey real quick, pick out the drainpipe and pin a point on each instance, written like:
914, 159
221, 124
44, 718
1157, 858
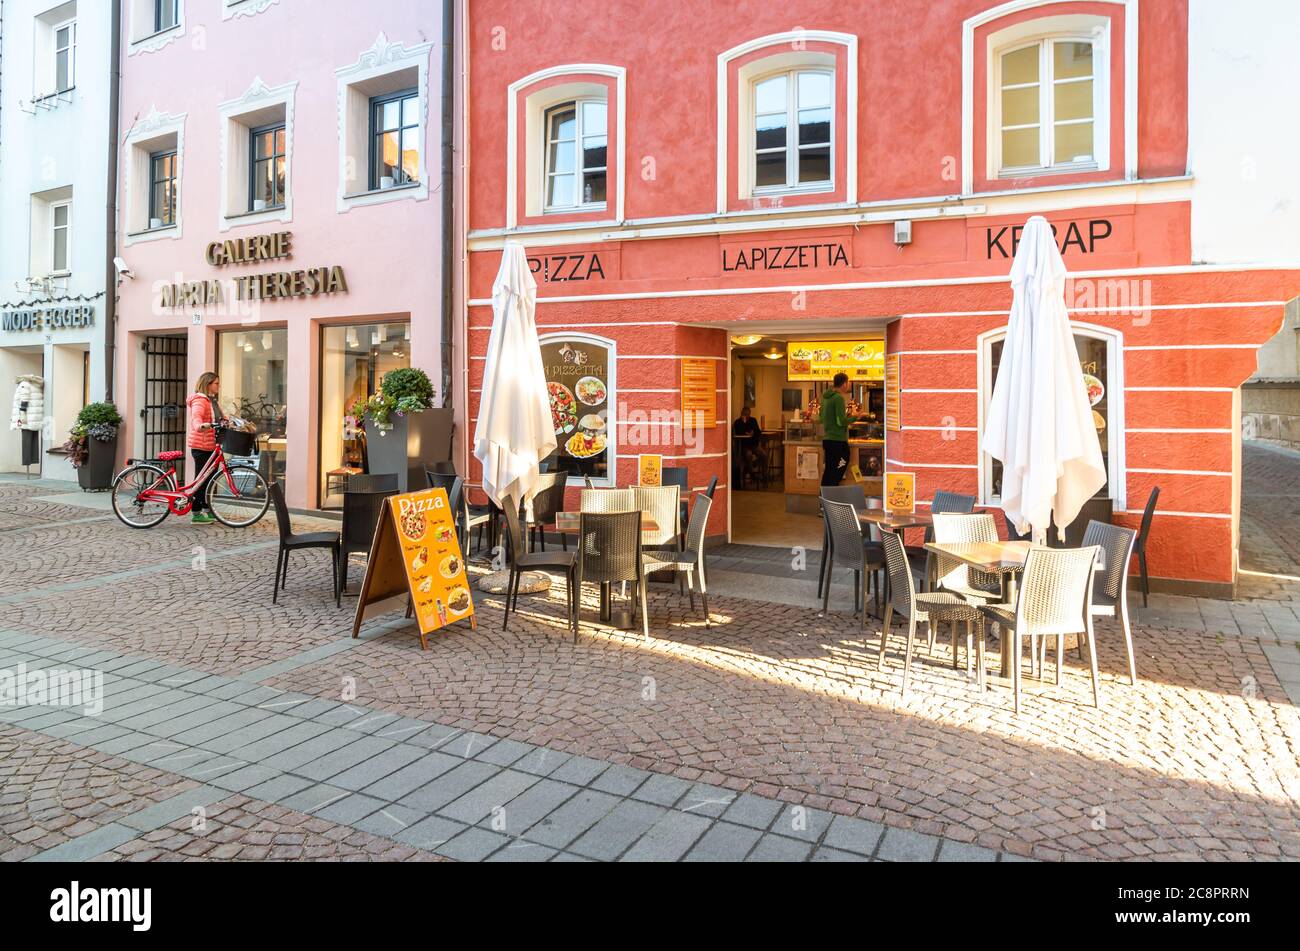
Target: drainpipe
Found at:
110, 249
448, 156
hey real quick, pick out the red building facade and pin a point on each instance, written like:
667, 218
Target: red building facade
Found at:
684, 173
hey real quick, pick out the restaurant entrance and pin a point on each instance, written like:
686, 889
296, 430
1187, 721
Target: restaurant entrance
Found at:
777, 383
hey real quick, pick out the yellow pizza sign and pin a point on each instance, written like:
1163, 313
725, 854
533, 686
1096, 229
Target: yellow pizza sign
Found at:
814, 360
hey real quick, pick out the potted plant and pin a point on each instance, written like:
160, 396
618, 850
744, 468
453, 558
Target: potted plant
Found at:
92, 445
404, 432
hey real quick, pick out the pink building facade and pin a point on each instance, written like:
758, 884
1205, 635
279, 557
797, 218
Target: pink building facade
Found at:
279, 220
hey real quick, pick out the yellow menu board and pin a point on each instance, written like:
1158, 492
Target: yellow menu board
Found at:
699, 393
812, 360
650, 470
893, 395
900, 493
416, 558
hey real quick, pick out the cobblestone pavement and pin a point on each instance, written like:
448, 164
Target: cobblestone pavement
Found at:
770, 735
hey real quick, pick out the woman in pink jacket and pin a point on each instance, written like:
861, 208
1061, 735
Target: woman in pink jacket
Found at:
204, 415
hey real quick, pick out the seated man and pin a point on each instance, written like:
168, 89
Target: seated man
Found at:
749, 436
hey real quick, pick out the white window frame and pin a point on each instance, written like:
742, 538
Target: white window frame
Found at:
155, 133
579, 170
385, 67
792, 184
260, 105
1115, 444
1047, 83
67, 237
71, 26
145, 37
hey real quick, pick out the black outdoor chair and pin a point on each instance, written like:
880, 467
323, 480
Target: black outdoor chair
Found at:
609, 551
548, 502
521, 561
1140, 546
680, 477
713, 486
385, 482
290, 542
856, 496
846, 548
455, 487
360, 516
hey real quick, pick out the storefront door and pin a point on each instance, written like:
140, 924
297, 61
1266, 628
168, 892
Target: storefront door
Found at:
165, 389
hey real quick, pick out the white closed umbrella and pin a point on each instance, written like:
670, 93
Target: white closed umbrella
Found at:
514, 432
1040, 421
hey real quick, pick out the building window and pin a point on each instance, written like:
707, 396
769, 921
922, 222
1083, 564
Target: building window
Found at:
793, 130
61, 237
1049, 106
162, 189
577, 149
1100, 358
253, 366
65, 56
354, 360
166, 14
267, 164
395, 137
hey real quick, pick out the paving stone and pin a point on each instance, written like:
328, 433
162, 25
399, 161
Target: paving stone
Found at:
661, 790
182, 804
351, 808
519, 850
389, 820
542, 761
505, 752
316, 797
345, 757
450, 786
850, 834
421, 771
825, 854
429, 833
87, 846
281, 787
332, 740
703, 800
724, 842
472, 845
950, 851
572, 819
753, 811
532, 805
579, 770
905, 845
245, 736
617, 830
619, 780
492, 794
669, 839
777, 848
377, 767
244, 778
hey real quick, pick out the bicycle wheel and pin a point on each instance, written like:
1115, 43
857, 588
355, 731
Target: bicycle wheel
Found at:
241, 499
127, 504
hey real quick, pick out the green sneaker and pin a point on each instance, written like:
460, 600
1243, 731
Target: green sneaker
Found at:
201, 518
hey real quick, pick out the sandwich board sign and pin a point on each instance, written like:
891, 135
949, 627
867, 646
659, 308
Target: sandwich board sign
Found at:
416, 564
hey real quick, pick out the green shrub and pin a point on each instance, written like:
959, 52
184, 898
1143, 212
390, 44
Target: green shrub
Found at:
99, 414
409, 385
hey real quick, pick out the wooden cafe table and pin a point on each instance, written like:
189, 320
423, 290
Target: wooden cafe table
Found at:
567, 523
1004, 559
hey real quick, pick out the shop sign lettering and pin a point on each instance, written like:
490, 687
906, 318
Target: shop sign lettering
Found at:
264, 247
785, 257
48, 318
276, 286
1004, 241
558, 268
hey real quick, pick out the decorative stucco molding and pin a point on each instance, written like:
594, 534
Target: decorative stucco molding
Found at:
245, 8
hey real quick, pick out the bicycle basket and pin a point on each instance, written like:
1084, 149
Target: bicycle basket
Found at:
238, 444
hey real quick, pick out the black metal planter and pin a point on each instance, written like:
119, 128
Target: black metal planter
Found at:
97, 473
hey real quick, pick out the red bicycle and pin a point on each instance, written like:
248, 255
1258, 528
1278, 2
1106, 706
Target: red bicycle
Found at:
144, 495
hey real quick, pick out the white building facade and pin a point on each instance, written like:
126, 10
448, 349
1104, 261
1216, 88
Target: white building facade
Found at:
55, 234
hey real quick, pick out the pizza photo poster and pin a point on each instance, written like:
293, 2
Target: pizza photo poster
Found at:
577, 384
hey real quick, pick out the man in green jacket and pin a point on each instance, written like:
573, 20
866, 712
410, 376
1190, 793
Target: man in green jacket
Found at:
835, 431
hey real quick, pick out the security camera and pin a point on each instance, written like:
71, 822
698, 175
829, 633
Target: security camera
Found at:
122, 269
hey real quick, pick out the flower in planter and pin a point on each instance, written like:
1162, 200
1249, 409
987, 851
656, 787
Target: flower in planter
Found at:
98, 421
404, 391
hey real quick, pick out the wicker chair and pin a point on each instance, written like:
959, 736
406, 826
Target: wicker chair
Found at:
856, 496
548, 501
609, 550
956, 577
606, 500
386, 482
521, 561
1140, 546
930, 608
361, 512
844, 534
661, 503
1054, 601
1110, 589
952, 503
690, 560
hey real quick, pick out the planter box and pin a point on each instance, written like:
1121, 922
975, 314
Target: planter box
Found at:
97, 474
409, 444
